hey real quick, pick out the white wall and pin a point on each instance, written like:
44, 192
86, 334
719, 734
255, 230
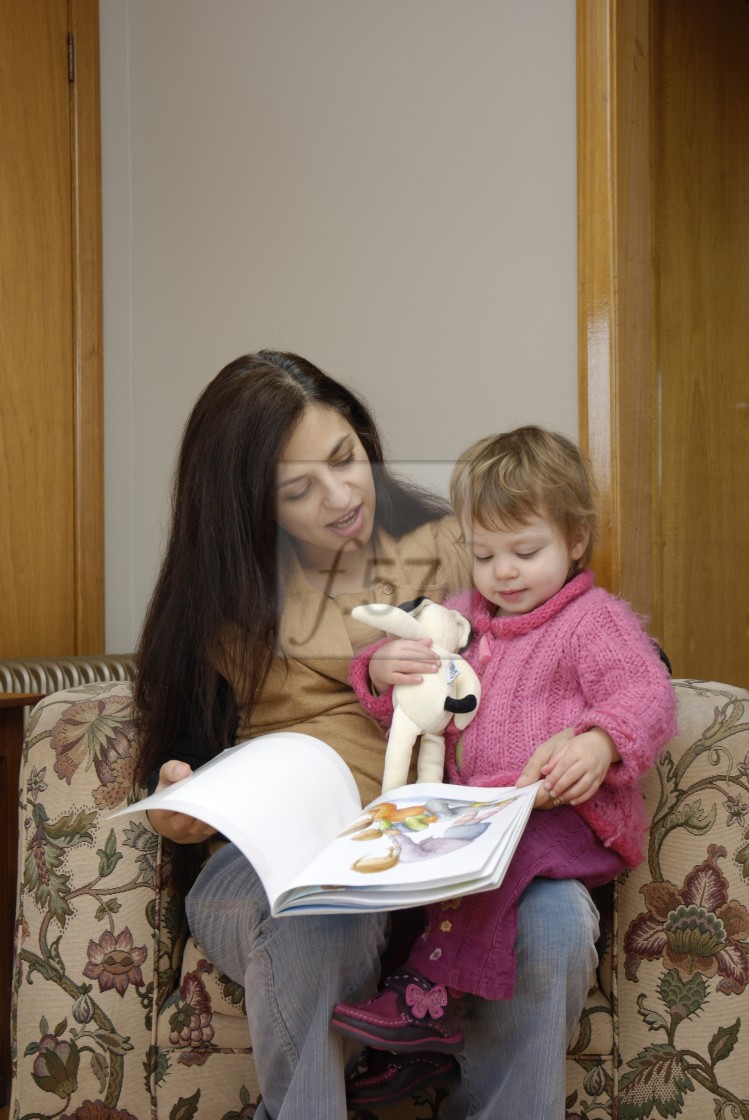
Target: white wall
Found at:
385, 186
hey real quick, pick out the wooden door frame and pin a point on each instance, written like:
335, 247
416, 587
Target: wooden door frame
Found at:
618, 384
85, 132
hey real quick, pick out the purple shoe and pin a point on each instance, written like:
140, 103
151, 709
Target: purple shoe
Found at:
410, 1014
382, 1078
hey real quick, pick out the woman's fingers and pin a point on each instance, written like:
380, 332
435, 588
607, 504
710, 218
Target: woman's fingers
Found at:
179, 827
171, 772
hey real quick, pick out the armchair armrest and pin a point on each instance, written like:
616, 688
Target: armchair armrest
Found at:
682, 934
92, 949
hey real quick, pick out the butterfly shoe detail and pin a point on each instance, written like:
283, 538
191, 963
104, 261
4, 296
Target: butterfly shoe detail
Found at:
410, 1014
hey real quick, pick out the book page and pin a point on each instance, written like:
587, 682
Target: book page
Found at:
280, 798
417, 843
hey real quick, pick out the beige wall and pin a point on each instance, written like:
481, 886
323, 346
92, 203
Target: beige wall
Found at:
386, 186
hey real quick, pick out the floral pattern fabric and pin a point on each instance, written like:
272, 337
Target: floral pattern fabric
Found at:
117, 1015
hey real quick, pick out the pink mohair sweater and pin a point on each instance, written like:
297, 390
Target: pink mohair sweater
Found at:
580, 660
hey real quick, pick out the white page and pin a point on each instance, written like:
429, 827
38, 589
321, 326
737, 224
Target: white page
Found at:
411, 870
279, 798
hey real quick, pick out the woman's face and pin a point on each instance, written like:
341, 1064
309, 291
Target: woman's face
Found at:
325, 495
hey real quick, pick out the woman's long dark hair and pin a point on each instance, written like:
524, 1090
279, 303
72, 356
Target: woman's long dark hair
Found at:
220, 569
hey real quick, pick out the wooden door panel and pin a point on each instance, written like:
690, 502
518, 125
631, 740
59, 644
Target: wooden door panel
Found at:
51, 556
663, 204
701, 227
36, 404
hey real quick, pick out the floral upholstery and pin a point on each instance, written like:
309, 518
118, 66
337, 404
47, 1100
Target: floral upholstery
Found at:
114, 1019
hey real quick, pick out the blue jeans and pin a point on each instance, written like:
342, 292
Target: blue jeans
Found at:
474, 950
513, 1061
295, 969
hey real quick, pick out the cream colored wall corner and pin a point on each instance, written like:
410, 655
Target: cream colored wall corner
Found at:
388, 188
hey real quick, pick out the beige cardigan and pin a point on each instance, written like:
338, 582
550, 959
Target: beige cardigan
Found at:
309, 691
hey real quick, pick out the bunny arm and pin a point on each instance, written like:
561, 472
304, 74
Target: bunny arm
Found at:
466, 684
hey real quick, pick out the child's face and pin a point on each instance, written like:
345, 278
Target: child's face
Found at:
518, 569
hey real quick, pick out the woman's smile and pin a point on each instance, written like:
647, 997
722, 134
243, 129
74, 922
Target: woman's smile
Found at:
351, 524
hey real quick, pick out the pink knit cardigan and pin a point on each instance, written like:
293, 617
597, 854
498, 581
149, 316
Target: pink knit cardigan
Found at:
580, 660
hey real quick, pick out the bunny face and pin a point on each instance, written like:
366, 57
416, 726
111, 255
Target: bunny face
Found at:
445, 627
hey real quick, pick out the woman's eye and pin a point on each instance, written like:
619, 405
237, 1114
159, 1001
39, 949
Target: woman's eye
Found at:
297, 497
344, 462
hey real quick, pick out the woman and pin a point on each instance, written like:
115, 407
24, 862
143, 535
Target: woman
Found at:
284, 518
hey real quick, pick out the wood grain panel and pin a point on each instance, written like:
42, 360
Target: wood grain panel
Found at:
663, 216
88, 331
51, 461
596, 268
618, 388
701, 160
36, 358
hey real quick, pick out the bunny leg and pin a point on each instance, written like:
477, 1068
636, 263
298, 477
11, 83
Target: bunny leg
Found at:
403, 734
431, 762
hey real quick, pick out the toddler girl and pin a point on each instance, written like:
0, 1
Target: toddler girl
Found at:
553, 651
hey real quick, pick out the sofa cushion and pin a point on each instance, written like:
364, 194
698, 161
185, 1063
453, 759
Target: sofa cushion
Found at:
226, 996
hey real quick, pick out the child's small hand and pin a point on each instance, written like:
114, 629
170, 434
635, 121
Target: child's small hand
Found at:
577, 770
402, 661
543, 759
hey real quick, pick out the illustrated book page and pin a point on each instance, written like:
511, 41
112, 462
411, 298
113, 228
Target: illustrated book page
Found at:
291, 805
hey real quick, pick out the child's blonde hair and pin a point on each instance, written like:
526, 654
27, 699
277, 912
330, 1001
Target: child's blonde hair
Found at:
508, 478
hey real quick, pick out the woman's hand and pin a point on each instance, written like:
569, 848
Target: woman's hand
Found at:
572, 766
179, 827
402, 661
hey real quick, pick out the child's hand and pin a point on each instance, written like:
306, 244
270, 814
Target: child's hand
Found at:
402, 661
576, 771
179, 827
542, 759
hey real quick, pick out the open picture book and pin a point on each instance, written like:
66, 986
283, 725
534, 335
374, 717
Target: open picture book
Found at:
291, 805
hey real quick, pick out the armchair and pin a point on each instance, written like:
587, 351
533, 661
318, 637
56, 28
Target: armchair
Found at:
117, 1015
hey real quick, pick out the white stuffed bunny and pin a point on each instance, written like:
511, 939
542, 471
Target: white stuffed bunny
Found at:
425, 709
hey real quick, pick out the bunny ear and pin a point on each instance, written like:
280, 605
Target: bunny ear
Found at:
465, 630
384, 616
